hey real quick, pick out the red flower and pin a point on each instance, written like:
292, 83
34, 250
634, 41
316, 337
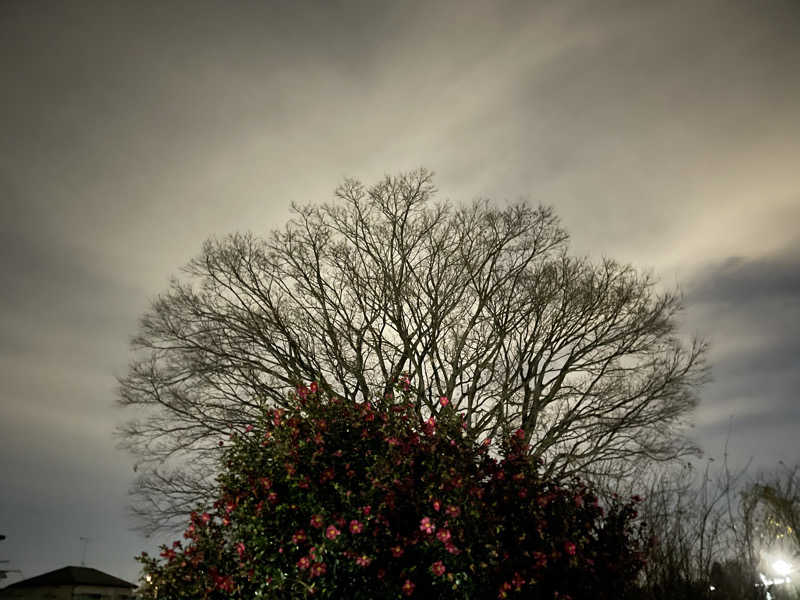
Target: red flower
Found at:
443, 535
331, 532
356, 527
408, 587
316, 521
299, 536
303, 563
569, 547
436, 505
240, 549
540, 560
438, 568
444, 401
503, 593
452, 511
318, 569
397, 551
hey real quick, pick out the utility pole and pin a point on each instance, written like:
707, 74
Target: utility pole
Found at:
85, 542
4, 572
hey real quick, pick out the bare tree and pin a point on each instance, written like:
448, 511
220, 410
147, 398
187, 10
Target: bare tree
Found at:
772, 510
477, 303
700, 544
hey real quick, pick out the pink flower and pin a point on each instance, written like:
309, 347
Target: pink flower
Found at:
331, 532
451, 548
427, 526
569, 547
356, 527
443, 535
452, 511
363, 560
444, 401
436, 505
303, 563
438, 568
366, 510
205, 517
318, 569
397, 551
408, 587
517, 582
316, 521
430, 425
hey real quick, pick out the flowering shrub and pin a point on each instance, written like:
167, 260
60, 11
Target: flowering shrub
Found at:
332, 499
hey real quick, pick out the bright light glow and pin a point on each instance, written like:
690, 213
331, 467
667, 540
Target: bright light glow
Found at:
781, 567
712, 588
149, 579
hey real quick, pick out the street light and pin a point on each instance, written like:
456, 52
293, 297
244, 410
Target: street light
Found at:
781, 567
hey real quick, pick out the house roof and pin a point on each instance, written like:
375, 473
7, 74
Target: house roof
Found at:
73, 576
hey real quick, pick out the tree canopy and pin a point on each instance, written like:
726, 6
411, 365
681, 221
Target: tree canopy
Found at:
475, 302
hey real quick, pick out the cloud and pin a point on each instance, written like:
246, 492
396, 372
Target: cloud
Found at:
749, 308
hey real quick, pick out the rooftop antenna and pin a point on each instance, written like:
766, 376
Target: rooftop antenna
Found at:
85, 542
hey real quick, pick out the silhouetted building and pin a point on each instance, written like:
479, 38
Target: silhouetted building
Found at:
70, 583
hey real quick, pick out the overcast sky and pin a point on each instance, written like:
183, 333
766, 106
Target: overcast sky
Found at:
665, 134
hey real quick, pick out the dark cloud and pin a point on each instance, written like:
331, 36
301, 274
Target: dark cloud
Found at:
739, 281
749, 308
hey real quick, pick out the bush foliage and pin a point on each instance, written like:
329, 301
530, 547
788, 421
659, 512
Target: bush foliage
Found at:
336, 499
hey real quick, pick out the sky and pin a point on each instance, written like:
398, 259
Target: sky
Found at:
664, 134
